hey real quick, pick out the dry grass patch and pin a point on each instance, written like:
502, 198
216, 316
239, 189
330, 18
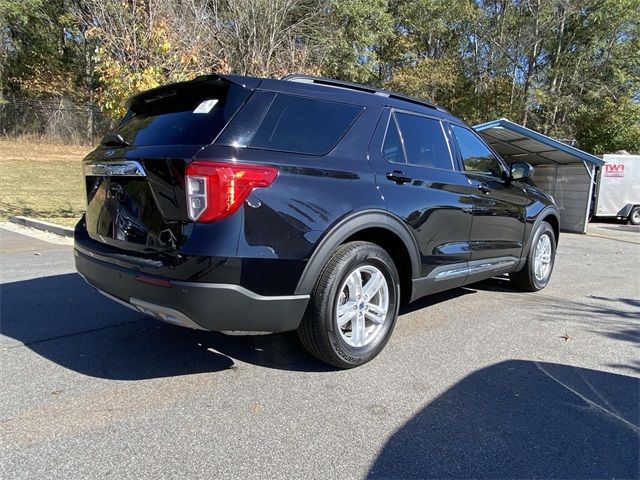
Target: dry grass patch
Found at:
41, 180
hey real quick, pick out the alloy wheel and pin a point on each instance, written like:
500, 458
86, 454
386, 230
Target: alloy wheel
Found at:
542, 258
362, 305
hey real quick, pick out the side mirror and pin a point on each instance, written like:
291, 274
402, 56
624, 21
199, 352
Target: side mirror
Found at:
521, 171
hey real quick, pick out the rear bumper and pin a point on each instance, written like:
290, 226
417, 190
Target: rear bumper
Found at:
208, 306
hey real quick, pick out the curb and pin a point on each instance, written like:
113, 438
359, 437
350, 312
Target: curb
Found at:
42, 225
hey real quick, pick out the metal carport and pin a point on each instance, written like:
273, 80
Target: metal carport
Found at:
565, 172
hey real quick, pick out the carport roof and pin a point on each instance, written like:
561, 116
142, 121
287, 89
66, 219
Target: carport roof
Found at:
517, 143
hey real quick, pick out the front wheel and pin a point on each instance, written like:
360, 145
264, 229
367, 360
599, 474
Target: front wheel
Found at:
537, 270
353, 307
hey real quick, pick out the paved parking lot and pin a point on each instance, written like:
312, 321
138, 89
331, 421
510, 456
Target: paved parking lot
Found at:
478, 382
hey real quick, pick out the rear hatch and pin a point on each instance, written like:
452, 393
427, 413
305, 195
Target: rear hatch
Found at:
135, 179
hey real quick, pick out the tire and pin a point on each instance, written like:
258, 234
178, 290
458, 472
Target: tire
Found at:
334, 299
634, 215
526, 279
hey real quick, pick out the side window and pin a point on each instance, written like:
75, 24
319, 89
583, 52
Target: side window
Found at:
476, 155
304, 125
424, 141
392, 147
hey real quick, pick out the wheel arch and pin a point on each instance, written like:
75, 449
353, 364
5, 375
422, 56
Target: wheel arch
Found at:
552, 219
375, 226
549, 214
630, 209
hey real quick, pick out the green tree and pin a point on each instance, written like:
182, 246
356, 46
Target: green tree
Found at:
355, 34
37, 57
568, 68
605, 126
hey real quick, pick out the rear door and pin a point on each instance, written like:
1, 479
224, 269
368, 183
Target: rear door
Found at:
499, 211
415, 173
135, 179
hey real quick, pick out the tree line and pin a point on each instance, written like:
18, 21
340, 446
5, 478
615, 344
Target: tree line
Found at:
567, 68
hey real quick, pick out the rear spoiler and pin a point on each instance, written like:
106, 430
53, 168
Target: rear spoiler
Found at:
245, 82
171, 89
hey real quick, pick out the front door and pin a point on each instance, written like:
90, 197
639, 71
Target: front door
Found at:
499, 211
414, 166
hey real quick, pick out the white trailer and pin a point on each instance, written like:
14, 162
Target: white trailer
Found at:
618, 191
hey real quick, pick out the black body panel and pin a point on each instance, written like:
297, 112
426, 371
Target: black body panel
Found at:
209, 306
140, 213
450, 227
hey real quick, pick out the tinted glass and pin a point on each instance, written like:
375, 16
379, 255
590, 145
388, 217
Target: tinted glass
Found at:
179, 115
247, 121
303, 125
392, 148
476, 155
424, 141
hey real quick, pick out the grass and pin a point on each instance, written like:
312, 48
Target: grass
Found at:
41, 180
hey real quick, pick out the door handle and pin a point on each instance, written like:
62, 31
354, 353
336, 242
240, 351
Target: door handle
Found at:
484, 188
398, 177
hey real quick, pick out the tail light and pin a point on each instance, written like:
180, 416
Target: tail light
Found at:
215, 190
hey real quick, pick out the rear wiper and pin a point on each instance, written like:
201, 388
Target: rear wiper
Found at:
114, 140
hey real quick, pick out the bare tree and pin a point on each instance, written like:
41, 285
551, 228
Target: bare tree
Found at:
260, 37
268, 37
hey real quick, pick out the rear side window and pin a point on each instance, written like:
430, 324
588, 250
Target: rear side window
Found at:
191, 113
477, 157
304, 125
424, 142
392, 148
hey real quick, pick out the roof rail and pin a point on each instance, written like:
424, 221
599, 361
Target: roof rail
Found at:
355, 86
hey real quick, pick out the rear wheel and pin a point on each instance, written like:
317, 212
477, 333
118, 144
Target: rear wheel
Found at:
540, 260
354, 306
634, 216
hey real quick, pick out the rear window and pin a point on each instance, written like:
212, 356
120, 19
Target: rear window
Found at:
304, 125
190, 113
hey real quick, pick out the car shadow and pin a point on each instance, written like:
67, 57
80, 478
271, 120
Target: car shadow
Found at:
68, 322
521, 419
434, 299
500, 283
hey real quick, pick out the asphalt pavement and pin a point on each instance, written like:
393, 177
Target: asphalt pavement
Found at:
479, 382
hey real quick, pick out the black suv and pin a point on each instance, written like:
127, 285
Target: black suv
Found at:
247, 204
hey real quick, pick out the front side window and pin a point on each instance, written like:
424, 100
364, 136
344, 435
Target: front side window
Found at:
477, 157
424, 141
304, 125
